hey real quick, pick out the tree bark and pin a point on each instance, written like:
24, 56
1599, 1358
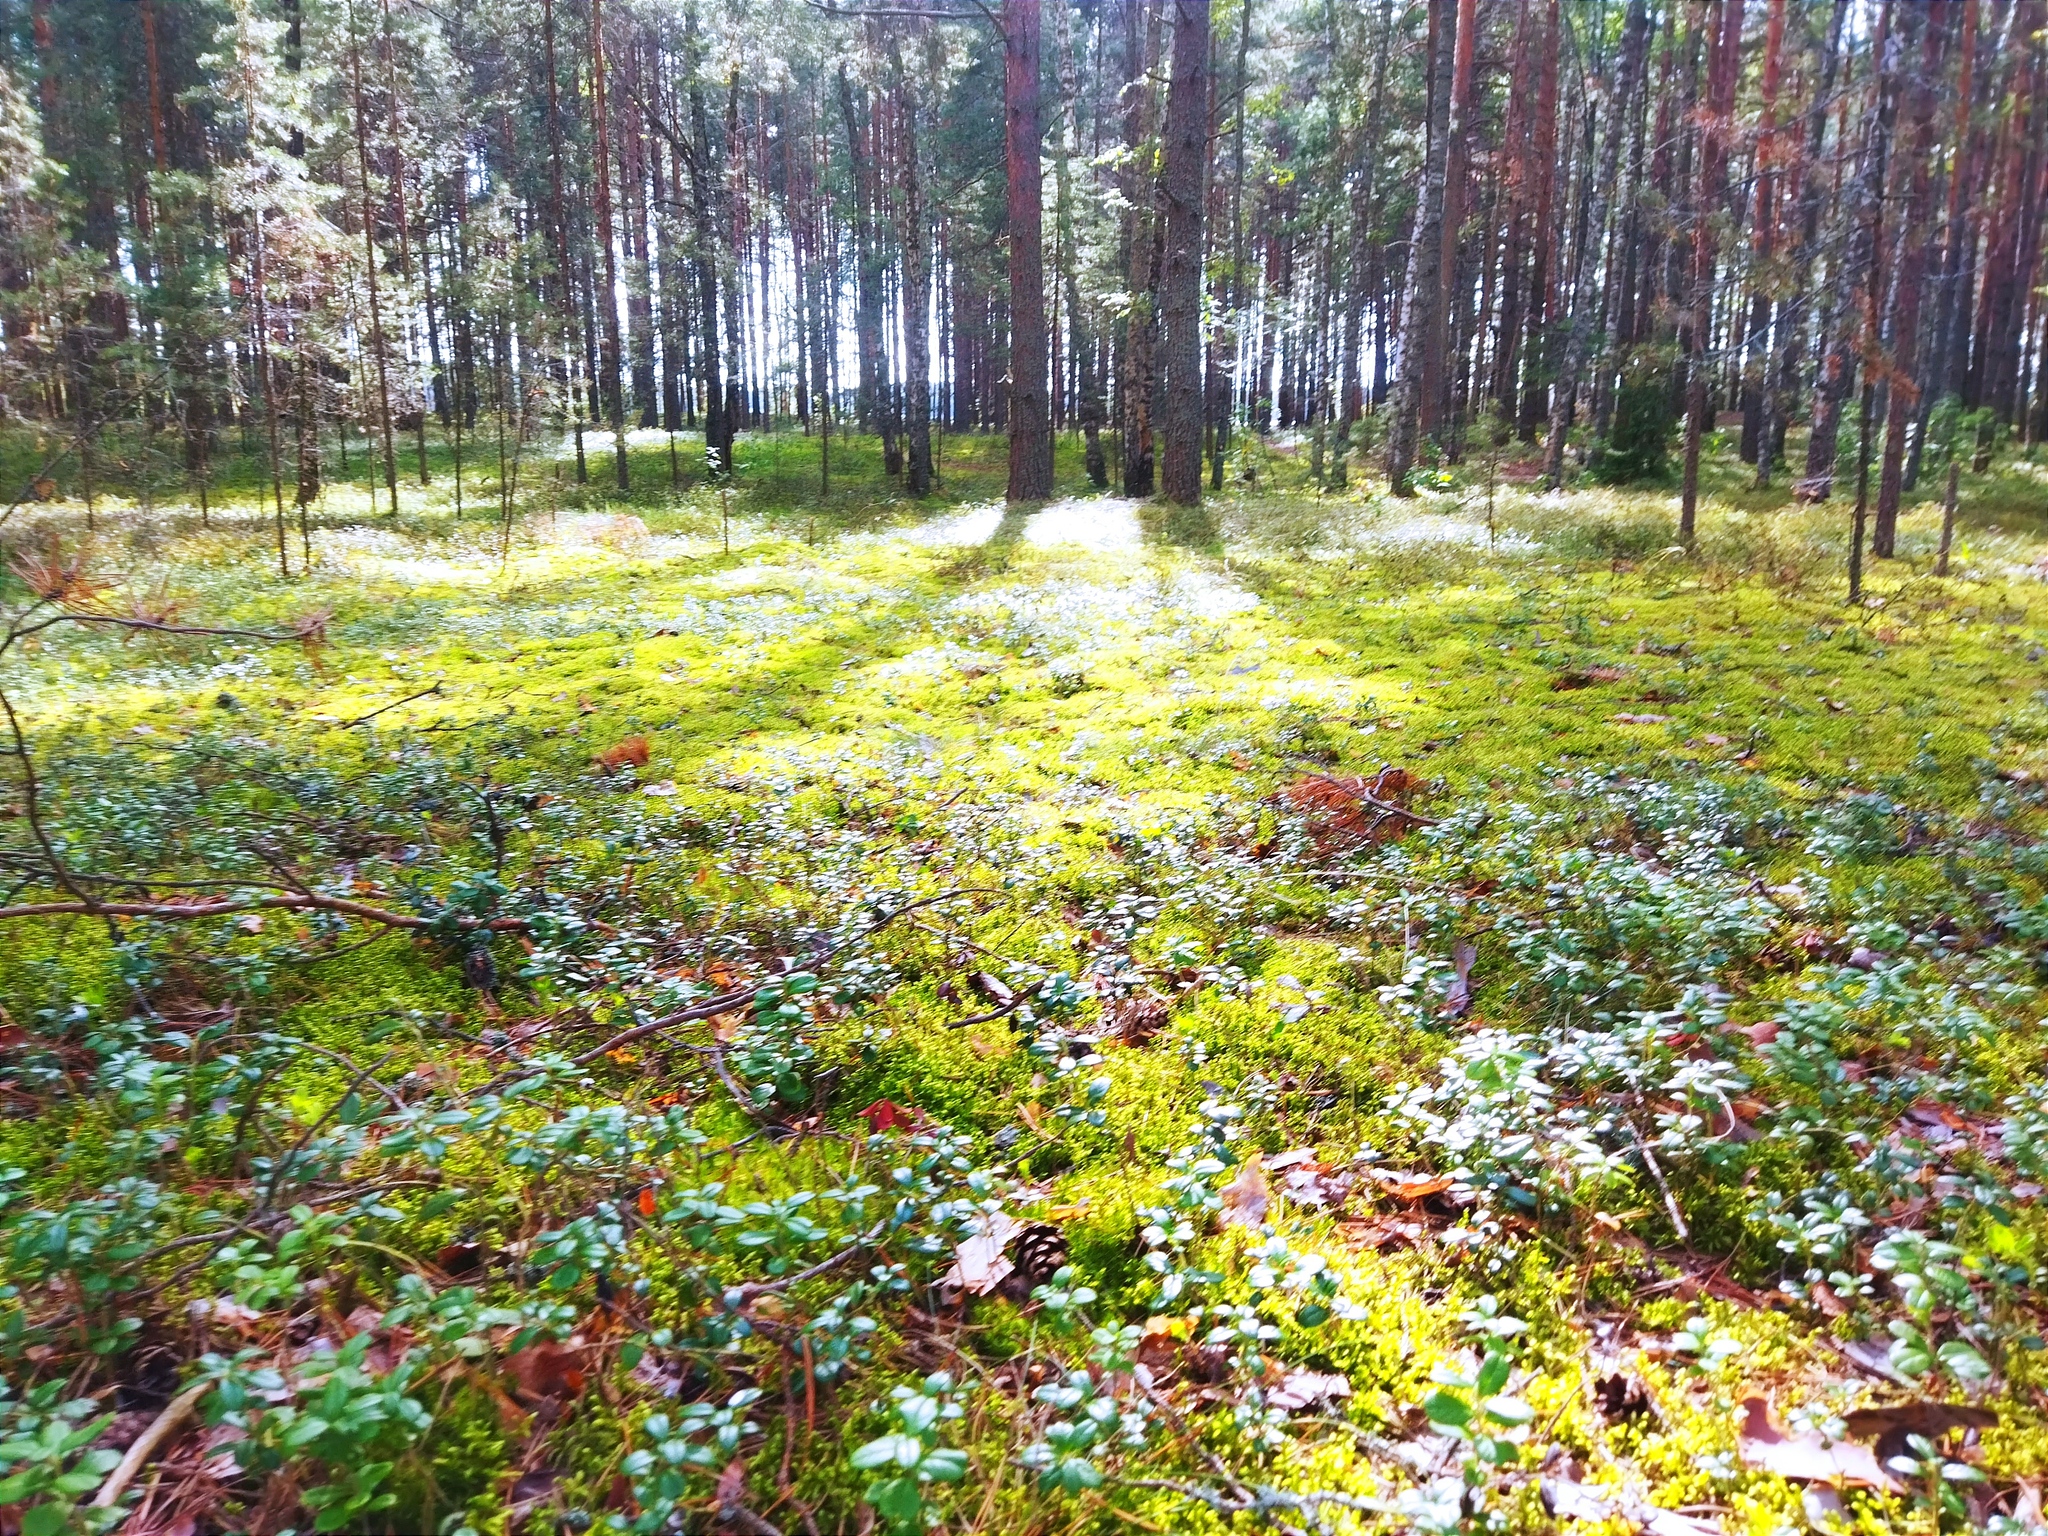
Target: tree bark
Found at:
1721, 73
1543, 235
917, 361
1421, 292
1439, 411
1030, 405
1144, 233
704, 194
1187, 165
601, 204
355, 54
1915, 233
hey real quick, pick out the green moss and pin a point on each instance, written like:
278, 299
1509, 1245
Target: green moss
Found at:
1047, 732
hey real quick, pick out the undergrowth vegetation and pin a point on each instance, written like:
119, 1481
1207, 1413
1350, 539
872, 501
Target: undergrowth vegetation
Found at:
628, 1024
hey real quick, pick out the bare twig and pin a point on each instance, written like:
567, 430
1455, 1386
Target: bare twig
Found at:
1657, 1173
349, 725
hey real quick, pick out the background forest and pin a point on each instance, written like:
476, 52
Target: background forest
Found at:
1023, 765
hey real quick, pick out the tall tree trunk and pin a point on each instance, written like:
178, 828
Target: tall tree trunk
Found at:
1537, 363
1871, 216
1581, 297
1144, 233
1756, 394
355, 56
1838, 329
1915, 233
1798, 326
870, 408
704, 194
400, 221
1514, 159
1030, 407
1630, 70
1722, 69
1364, 211
639, 289
917, 359
1940, 371
735, 258
601, 208
1413, 367
1180, 300
1438, 381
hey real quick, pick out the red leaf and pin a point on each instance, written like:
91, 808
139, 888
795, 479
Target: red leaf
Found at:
886, 1115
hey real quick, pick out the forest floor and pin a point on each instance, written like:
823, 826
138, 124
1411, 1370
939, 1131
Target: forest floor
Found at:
1326, 1013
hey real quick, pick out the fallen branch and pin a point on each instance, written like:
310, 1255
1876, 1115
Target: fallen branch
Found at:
291, 901
160, 1429
710, 1008
1004, 1011
748, 1292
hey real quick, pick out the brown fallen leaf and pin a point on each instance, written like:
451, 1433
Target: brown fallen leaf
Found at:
732, 1487
632, 752
1382, 1232
1246, 1198
1409, 1187
1890, 1427
1586, 677
1807, 1458
547, 1369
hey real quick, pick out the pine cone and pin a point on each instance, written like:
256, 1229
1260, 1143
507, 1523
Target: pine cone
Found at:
1039, 1252
480, 970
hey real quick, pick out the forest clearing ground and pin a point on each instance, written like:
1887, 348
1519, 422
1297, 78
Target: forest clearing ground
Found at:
1633, 784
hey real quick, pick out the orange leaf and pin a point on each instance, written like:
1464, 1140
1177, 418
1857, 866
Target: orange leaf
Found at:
647, 1201
632, 752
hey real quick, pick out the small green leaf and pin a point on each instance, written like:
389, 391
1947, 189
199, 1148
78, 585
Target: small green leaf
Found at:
1442, 1408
